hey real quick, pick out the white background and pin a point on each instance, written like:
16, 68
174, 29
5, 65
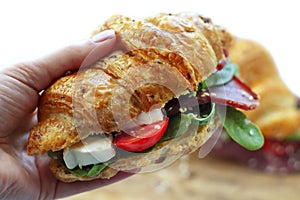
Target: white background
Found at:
31, 28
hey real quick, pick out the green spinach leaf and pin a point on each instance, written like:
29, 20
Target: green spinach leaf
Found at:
223, 76
89, 171
207, 115
178, 125
242, 130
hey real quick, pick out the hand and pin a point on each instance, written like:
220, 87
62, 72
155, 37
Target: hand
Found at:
23, 176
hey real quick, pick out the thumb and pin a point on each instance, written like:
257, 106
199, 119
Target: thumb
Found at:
40, 73
20, 84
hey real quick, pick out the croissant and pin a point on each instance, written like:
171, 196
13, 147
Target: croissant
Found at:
157, 59
277, 115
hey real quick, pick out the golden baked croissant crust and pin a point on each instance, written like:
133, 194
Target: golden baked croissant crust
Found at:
156, 59
277, 115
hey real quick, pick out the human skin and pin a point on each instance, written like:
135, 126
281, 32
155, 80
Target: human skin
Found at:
29, 177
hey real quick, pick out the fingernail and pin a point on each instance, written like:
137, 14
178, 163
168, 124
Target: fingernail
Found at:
104, 35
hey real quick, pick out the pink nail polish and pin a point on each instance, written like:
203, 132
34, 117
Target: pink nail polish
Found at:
104, 35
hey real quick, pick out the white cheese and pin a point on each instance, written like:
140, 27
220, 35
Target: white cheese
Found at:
144, 118
92, 150
98, 149
150, 117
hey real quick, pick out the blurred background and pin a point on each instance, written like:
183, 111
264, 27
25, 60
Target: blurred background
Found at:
33, 28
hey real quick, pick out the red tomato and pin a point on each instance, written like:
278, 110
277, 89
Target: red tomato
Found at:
144, 137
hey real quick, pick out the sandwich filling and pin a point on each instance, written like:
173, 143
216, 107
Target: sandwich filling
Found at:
276, 155
223, 88
100, 148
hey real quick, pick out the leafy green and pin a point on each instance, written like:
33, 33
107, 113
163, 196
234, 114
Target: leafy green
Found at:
202, 86
295, 136
222, 76
90, 171
206, 115
236, 124
242, 130
180, 123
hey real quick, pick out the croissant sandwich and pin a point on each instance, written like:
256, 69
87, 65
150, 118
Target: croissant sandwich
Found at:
160, 94
277, 116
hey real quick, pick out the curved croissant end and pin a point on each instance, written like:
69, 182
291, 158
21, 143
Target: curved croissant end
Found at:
158, 58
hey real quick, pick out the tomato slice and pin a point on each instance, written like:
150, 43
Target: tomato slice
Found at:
142, 138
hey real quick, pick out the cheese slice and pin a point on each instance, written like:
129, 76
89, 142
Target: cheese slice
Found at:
92, 150
99, 149
150, 117
143, 118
